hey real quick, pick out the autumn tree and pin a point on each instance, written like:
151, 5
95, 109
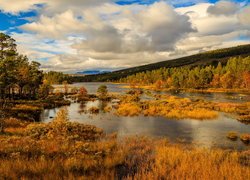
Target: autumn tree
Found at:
246, 79
82, 94
17, 71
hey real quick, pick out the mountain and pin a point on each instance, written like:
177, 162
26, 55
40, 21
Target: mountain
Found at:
202, 59
92, 72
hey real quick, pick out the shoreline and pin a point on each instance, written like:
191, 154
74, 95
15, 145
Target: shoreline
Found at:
209, 90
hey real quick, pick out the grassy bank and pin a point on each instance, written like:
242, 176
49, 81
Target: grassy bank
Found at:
31, 109
62, 149
207, 90
179, 108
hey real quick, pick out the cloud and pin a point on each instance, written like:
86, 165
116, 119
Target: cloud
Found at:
154, 28
244, 16
16, 6
78, 35
40, 49
108, 60
49, 6
57, 26
212, 31
223, 8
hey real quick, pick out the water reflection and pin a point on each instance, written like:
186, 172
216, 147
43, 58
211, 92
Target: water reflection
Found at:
207, 133
119, 88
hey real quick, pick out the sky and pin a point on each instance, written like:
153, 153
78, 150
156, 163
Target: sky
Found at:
79, 35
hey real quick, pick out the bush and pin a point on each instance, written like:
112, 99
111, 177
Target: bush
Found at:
61, 128
102, 91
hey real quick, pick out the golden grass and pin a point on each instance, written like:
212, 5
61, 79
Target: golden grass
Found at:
245, 138
180, 108
26, 107
66, 150
128, 109
232, 135
244, 119
94, 110
167, 106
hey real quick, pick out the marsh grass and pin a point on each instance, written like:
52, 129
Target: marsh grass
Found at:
245, 138
232, 135
179, 108
66, 150
166, 106
26, 157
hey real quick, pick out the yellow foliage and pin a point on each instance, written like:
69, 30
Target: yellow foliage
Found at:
129, 109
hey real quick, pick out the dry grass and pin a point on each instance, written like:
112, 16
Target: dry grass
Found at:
128, 109
180, 108
94, 110
167, 106
65, 150
232, 135
245, 138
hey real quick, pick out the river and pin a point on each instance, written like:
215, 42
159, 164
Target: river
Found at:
205, 133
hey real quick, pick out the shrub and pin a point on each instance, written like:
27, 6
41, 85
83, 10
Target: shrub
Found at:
102, 91
61, 128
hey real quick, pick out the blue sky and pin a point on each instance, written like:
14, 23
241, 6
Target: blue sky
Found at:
134, 32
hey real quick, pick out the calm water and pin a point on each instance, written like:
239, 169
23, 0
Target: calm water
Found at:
207, 133
119, 88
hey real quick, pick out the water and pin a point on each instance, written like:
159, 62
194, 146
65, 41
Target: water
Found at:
119, 88
206, 133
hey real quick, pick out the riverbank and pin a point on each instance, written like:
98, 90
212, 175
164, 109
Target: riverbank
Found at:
208, 90
31, 109
83, 151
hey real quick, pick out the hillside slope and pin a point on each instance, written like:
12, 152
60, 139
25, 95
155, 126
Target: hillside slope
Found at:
206, 58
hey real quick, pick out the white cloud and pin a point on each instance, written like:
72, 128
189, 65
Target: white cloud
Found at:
16, 6
39, 49
223, 8
58, 26
244, 16
212, 31
78, 35
49, 6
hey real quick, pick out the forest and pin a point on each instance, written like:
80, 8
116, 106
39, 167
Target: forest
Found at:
53, 77
201, 59
21, 78
235, 74
17, 74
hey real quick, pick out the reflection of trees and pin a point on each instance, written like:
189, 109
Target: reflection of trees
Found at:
82, 107
102, 105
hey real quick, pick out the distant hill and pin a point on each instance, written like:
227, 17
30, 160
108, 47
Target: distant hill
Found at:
205, 58
92, 72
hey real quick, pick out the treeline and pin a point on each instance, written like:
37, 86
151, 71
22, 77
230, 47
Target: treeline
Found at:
54, 77
205, 58
18, 76
235, 74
